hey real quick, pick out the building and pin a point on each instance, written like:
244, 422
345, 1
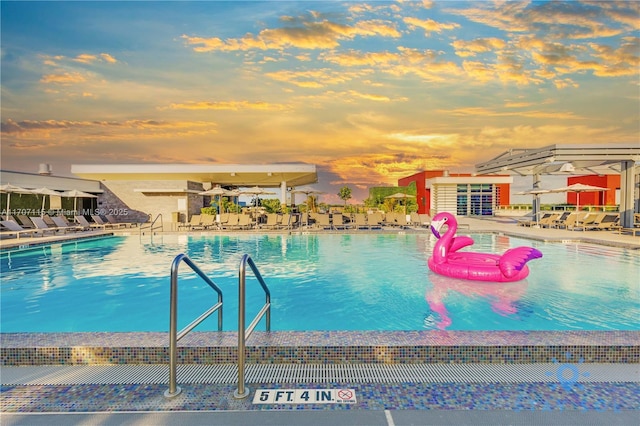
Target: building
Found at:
172, 190
459, 194
136, 192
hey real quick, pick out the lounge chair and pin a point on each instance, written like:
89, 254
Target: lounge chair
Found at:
375, 220
112, 220
42, 225
559, 220
13, 228
582, 220
338, 221
274, 221
425, 220
62, 224
232, 222
533, 222
208, 221
48, 221
401, 220
88, 225
323, 221
293, 221
389, 219
195, 221
100, 221
360, 221
25, 222
244, 222
605, 221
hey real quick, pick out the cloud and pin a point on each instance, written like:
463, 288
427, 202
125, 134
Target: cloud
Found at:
63, 78
311, 35
488, 112
66, 130
315, 78
481, 45
228, 105
429, 25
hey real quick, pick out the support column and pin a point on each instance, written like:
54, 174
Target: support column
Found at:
627, 204
535, 206
283, 193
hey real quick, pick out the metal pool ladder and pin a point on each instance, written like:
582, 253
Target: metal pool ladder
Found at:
174, 335
243, 334
152, 227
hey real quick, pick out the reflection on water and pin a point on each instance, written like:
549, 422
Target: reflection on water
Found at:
501, 297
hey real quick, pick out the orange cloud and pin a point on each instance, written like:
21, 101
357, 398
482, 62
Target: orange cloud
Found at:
64, 78
229, 105
310, 35
481, 45
429, 25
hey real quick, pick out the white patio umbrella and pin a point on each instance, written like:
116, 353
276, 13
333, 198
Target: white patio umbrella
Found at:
401, 196
44, 192
578, 188
217, 191
536, 196
255, 190
77, 194
11, 189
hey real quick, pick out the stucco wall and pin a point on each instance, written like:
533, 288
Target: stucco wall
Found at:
128, 202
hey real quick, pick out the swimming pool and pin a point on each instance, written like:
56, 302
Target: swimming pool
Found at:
317, 281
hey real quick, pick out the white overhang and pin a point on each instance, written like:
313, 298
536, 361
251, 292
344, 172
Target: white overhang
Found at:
240, 175
166, 191
575, 159
453, 180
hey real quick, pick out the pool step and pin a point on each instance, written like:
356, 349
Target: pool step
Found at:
322, 373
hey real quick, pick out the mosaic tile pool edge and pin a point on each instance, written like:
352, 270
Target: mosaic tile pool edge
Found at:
320, 347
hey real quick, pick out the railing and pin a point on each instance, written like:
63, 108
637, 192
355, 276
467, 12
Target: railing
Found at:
152, 226
243, 334
174, 335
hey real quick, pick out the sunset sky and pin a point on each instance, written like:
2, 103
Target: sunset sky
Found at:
368, 91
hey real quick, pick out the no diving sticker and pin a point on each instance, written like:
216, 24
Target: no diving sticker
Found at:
305, 396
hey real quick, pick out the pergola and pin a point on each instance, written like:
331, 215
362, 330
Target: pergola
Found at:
578, 159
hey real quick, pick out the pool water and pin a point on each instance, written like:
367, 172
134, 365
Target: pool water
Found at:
317, 282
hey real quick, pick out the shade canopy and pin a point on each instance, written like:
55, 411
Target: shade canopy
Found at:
44, 192
256, 190
400, 195
306, 191
217, 190
77, 194
12, 189
578, 188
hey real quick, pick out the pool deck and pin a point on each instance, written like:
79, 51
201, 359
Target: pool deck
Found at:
517, 388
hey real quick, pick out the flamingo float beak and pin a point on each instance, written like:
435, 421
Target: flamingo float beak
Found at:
436, 225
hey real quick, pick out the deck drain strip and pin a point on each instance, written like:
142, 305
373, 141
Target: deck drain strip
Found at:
320, 373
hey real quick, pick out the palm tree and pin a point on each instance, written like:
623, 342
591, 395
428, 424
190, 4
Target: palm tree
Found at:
345, 194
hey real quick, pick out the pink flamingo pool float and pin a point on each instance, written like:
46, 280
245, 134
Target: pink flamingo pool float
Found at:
447, 260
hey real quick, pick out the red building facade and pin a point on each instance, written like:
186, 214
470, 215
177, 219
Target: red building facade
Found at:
601, 198
462, 194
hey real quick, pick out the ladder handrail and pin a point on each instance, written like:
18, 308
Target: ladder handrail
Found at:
151, 225
243, 334
174, 335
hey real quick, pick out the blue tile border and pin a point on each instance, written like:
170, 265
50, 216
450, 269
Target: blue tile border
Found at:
321, 347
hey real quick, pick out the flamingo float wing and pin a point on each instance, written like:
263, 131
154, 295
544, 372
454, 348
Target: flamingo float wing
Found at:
513, 260
460, 242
